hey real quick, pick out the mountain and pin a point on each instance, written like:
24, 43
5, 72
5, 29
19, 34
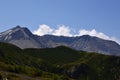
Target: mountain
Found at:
60, 63
23, 38
84, 43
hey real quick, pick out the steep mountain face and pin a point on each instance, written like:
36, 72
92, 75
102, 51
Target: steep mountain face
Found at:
23, 38
94, 44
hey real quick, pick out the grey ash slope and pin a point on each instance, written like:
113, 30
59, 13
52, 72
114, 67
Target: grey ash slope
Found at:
23, 38
84, 43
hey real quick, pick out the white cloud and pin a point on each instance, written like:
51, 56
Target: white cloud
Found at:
66, 31
92, 32
45, 29
62, 31
42, 30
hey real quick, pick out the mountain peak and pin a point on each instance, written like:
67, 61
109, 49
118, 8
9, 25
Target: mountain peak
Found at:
16, 33
18, 26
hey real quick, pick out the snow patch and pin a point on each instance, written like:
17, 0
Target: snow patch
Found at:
6, 32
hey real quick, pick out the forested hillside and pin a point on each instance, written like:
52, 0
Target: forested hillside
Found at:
60, 63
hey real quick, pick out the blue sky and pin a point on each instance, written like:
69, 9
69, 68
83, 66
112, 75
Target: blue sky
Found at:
101, 15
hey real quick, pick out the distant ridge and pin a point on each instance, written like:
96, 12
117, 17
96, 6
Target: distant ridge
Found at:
23, 38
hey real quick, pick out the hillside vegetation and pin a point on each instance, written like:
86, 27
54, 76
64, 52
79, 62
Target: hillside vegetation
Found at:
60, 63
